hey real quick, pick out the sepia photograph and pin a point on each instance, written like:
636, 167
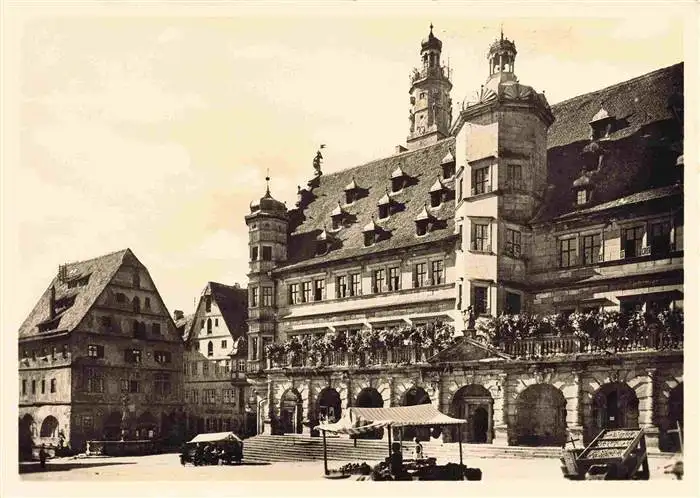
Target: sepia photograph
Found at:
344, 242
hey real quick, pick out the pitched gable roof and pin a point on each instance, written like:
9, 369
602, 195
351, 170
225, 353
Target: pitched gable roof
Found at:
638, 155
233, 304
420, 166
99, 272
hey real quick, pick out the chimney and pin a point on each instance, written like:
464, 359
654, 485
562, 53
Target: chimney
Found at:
178, 315
52, 303
400, 149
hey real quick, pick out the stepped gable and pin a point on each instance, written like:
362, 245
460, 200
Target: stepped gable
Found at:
421, 165
233, 304
98, 271
639, 153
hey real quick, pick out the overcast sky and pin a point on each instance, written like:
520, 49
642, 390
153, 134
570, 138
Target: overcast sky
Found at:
156, 133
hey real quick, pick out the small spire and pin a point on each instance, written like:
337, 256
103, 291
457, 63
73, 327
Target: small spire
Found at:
501, 31
431, 28
267, 180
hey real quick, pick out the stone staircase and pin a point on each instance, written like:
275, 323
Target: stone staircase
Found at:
297, 447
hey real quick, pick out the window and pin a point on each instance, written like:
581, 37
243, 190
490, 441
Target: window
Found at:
254, 253
567, 253
24, 386
134, 386
294, 294
205, 368
397, 184
515, 175
383, 211
513, 303
480, 300
162, 356
355, 285
448, 170
421, 227
438, 273
319, 288
33, 387
147, 303
132, 356
121, 298
394, 279
138, 329
435, 198
660, 238
155, 328
460, 235
336, 223
267, 253
96, 351
223, 344
480, 181
460, 189
581, 196
267, 296
480, 237
341, 286
209, 328
161, 383
207, 303
459, 296
590, 247
254, 349
136, 305
632, 241
305, 292
93, 381
210, 348
43, 386
253, 297
349, 196
378, 281
209, 396
369, 238
513, 247
420, 274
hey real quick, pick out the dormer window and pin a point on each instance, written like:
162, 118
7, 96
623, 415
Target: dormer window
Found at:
384, 206
436, 193
448, 166
602, 124
323, 242
423, 222
582, 196
351, 190
370, 238
398, 180
370, 233
337, 216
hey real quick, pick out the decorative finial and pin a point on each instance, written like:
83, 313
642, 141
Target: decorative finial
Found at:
267, 180
501, 31
431, 28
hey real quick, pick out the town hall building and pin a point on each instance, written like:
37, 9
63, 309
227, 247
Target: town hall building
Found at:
519, 264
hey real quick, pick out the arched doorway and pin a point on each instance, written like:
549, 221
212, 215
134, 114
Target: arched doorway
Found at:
146, 426
540, 416
615, 406
26, 434
674, 419
290, 412
112, 427
369, 397
412, 397
328, 406
474, 404
49, 427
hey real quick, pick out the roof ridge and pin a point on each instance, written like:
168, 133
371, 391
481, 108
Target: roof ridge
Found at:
97, 257
404, 153
619, 84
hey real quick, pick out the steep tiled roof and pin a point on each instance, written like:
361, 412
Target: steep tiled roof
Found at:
640, 152
233, 303
421, 167
184, 326
99, 272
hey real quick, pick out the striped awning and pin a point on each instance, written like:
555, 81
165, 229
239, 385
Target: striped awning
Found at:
358, 420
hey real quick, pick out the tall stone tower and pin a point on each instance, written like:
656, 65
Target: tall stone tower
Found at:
430, 114
267, 241
501, 153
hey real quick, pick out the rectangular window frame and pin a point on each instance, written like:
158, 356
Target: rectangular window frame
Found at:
481, 180
513, 245
568, 252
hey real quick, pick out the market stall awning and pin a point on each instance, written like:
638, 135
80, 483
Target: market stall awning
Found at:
215, 437
357, 420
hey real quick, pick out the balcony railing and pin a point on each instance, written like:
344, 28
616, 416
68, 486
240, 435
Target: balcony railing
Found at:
381, 356
550, 346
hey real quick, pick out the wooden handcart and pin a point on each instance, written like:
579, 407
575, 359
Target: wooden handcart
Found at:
615, 454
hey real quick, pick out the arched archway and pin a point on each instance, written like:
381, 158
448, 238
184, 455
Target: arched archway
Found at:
290, 412
674, 418
49, 427
112, 426
473, 403
146, 426
412, 397
540, 416
26, 436
615, 406
328, 405
369, 397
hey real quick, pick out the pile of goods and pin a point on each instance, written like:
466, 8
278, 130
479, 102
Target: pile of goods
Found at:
361, 469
